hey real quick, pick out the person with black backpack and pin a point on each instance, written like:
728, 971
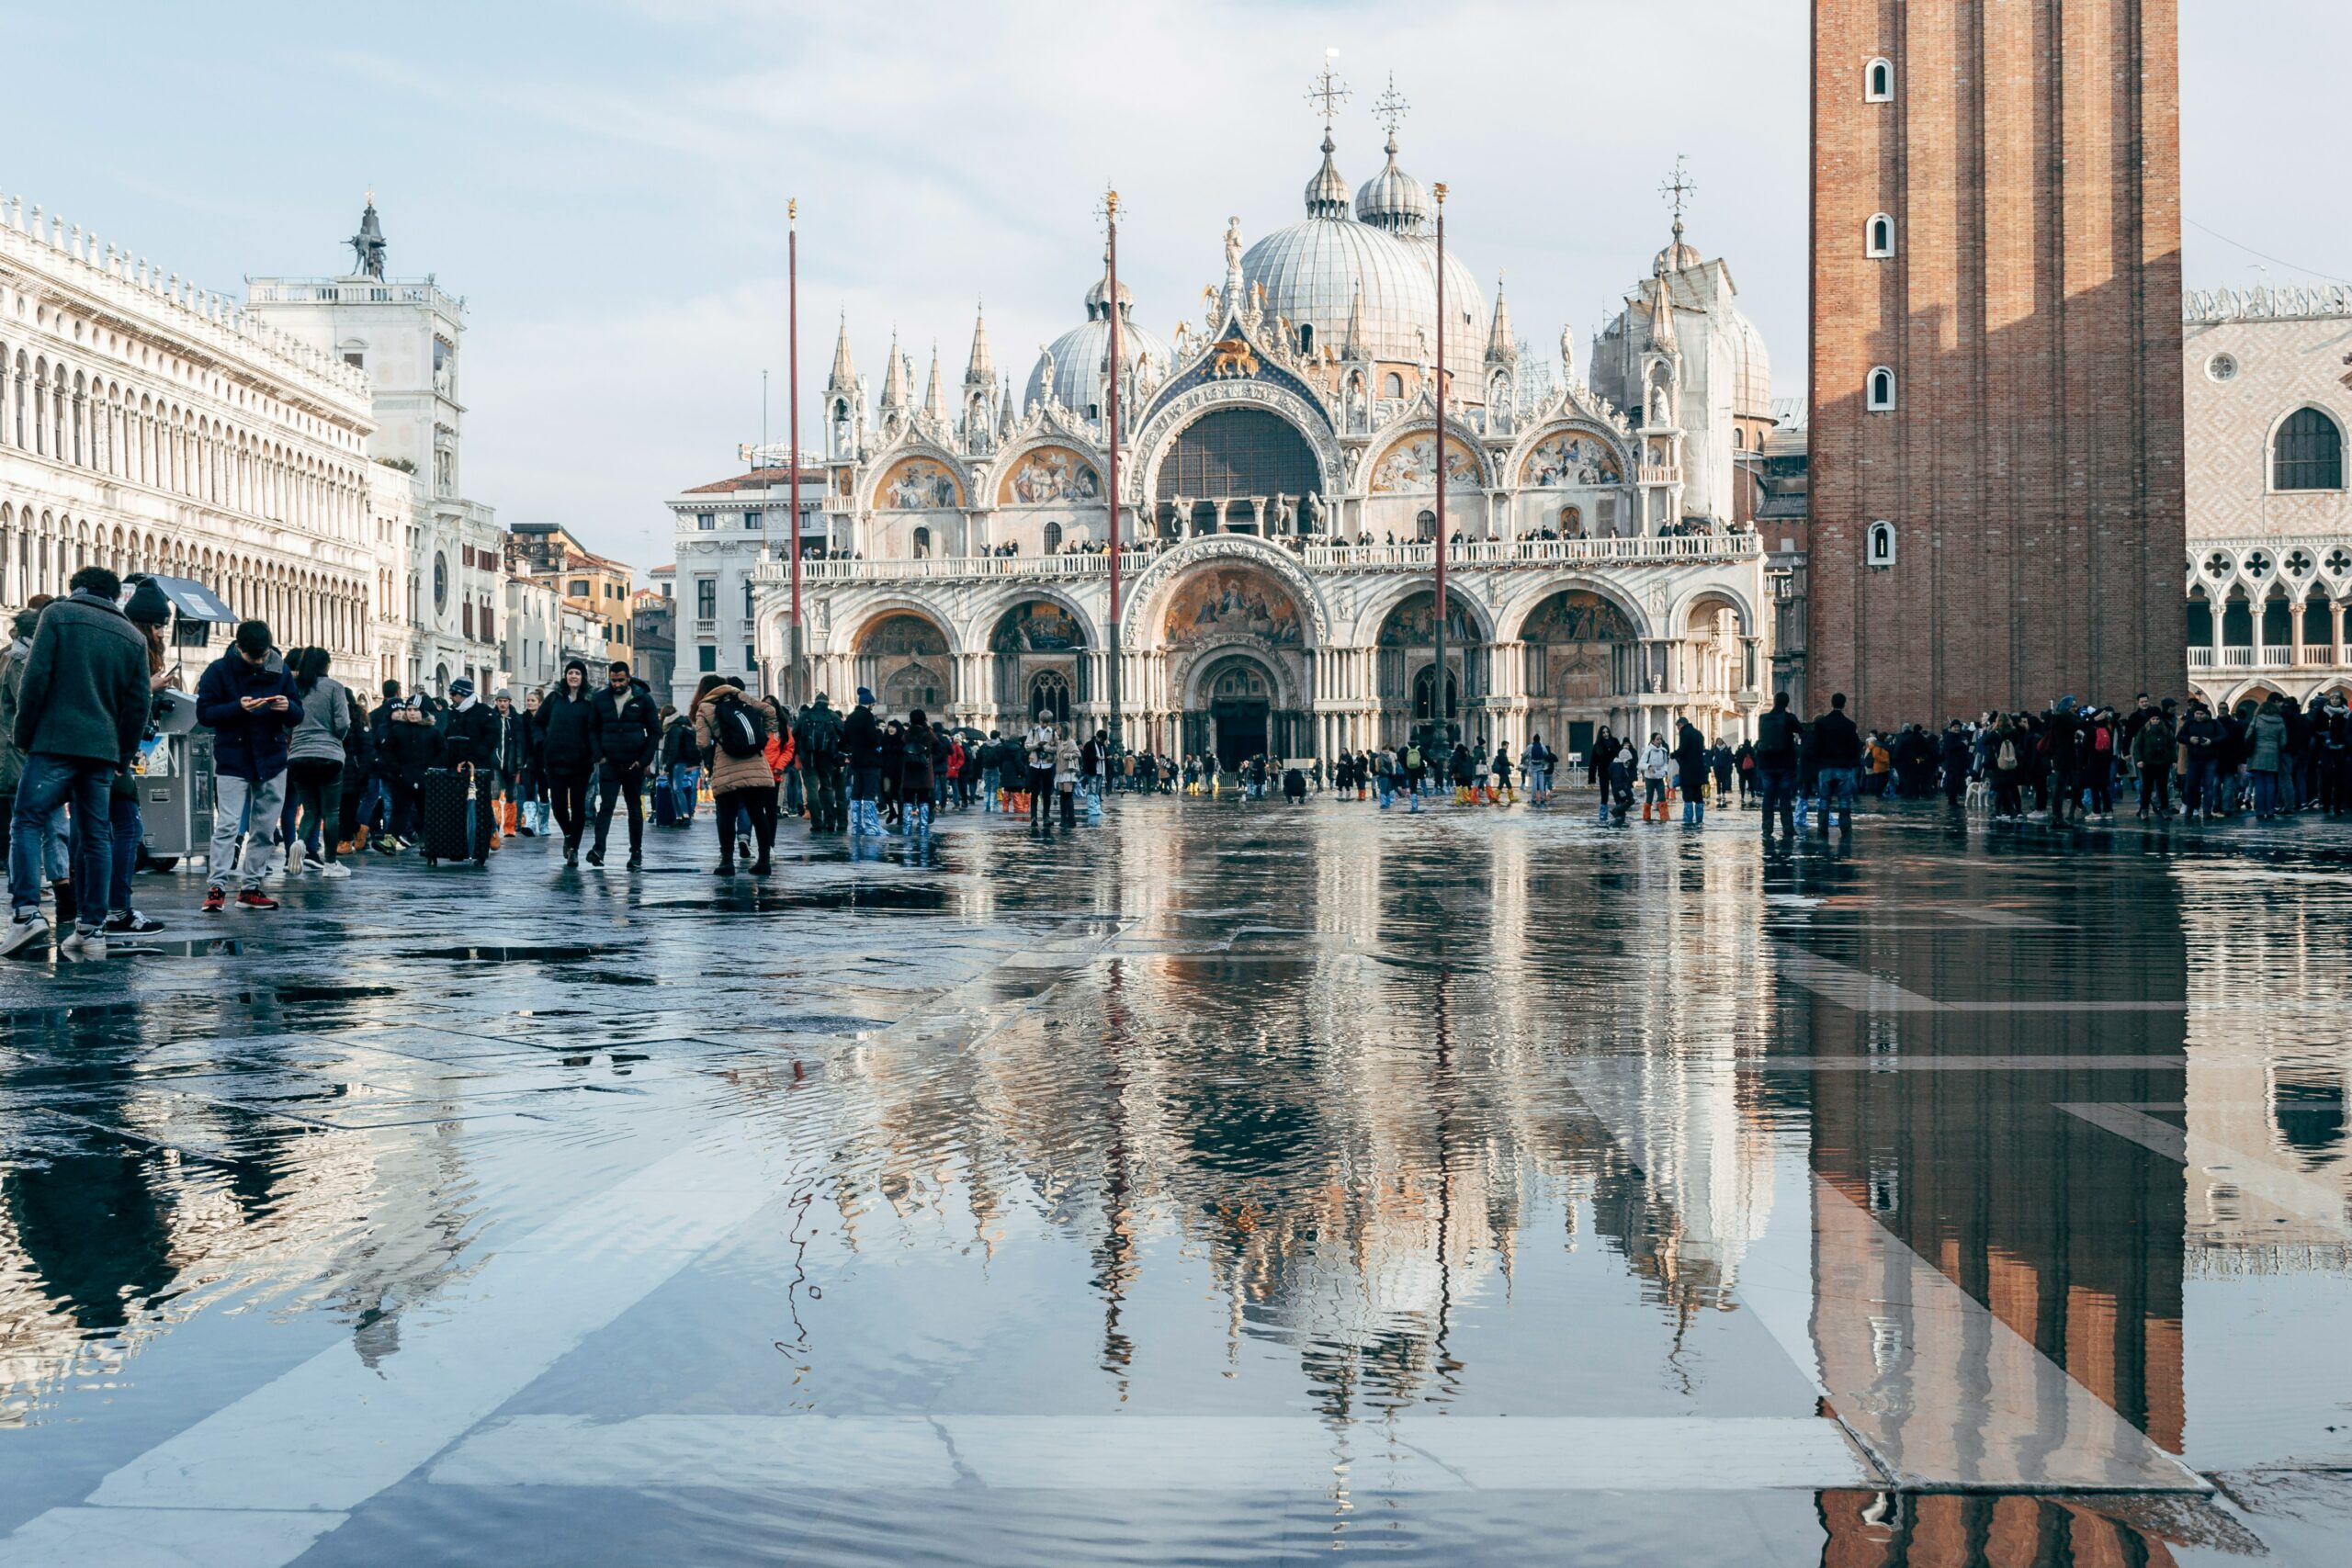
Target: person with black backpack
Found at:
816, 750
732, 728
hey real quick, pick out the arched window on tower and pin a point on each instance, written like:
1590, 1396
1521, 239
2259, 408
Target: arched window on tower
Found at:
1053, 539
1306, 338
1880, 551
2307, 453
922, 543
1880, 389
1878, 82
1393, 386
1879, 237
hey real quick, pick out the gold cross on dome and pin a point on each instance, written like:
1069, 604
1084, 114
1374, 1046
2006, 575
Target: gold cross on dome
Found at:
1328, 91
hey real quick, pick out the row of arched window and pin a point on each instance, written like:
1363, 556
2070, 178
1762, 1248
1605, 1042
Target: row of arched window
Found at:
84, 420
40, 550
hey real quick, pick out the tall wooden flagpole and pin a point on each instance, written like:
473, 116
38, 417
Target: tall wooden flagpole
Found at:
1111, 210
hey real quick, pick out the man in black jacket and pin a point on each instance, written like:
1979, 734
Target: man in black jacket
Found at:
817, 752
1837, 761
469, 748
862, 740
1778, 734
627, 727
566, 731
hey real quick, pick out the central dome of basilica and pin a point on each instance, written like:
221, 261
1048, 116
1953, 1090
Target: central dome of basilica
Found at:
1315, 271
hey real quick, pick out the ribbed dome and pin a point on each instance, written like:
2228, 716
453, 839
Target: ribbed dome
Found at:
1751, 386
1677, 255
1395, 201
1311, 271
1081, 355
1327, 193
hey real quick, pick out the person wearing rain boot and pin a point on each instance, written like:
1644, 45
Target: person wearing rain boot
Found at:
1690, 760
1656, 759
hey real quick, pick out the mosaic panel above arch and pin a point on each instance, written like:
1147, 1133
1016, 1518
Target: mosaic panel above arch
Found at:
1570, 458
1233, 601
1049, 474
1413, 623
901, 632
919, 484
1577, 615
1411, 464
1039, 626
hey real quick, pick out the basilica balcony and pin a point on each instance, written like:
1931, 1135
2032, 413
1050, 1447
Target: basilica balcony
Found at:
1485, 555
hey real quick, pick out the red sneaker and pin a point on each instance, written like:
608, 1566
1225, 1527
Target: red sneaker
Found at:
215, 900
255, 899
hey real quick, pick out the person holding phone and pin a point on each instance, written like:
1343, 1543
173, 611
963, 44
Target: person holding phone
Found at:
249, 701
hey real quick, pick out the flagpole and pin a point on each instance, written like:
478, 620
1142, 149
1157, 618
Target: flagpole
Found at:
1438, 706
1111, 208
800, 690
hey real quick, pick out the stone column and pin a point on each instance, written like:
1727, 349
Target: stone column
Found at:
2336, 622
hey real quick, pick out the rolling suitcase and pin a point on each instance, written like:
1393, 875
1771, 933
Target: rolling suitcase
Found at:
455, 825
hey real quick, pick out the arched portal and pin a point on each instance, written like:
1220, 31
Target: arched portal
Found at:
1237, 455
1037, 638
1235, 639
1581, 671
903, 659
1231, 716
1408, 668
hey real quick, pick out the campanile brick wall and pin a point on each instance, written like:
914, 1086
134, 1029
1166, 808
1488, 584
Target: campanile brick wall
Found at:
2032, 464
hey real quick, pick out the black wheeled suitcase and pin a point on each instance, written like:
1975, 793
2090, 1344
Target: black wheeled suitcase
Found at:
457, 824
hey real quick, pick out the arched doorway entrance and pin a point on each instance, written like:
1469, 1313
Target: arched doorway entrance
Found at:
1408, 669
1232, 717
903, 657
1040, 648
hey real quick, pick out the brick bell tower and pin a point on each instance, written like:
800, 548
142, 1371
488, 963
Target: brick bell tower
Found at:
1997, 422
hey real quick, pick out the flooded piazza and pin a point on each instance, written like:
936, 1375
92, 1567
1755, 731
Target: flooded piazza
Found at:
1231, 1183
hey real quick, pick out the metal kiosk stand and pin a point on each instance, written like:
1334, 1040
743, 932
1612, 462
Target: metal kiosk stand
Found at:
174, 767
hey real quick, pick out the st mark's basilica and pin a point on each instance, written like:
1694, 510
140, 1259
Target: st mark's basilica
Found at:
1277, 467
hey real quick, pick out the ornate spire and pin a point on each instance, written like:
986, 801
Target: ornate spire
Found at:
1677, 191
844, 377
1662, 312
367, 245
1501, 347
934, 396
1006, 416
1353, 348
894, 394
1327, 193
981, 370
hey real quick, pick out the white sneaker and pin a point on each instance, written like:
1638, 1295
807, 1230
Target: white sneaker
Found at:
28, 928
333, 868
90, 946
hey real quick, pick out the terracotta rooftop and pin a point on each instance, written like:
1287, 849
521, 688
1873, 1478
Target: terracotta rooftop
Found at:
757, 478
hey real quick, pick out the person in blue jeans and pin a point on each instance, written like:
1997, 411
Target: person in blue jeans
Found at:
80, 707
1837, 755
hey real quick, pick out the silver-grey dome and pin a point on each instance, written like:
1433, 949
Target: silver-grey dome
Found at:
1395, 201
1081, 355
1751, 396
1311, 271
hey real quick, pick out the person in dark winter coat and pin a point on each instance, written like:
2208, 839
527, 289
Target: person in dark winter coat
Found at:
861, 746
567, 740
1691, 763
1779, 735
629, 729
816, 746
82, 699
250, 704
410, 748
1836, 760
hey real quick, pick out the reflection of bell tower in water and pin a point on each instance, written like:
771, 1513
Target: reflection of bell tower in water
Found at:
2071, 1235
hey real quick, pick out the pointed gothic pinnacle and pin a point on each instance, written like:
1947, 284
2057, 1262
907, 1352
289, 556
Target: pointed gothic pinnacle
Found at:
843, 376
934, 396
982, 369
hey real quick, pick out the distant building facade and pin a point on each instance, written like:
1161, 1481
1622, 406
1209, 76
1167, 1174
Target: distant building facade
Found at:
723, 531
2269, 550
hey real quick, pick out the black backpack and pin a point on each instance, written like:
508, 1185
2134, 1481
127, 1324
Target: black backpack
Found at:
738, 727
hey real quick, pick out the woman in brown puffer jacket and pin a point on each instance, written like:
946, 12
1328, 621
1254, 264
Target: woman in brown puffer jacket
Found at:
733, 729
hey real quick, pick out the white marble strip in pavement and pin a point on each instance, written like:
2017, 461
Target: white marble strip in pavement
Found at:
1940, 1392
331, 1433
2220, 1165
800, 1453
1858, 991
1896, 1062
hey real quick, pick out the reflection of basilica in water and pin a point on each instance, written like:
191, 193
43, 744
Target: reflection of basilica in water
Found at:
1277, 476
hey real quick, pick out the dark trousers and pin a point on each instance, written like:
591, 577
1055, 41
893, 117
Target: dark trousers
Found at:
123, 812
825, 810
1041, 796
318, 802
2155, 790
407, 795
1779, 787
757, 803
568, 797
617, 783
1069, 806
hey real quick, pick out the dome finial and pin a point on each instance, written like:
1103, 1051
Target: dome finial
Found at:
1327, 193
1677, 191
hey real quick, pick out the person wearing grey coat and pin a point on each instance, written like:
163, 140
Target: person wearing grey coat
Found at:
314, 759
2267, 737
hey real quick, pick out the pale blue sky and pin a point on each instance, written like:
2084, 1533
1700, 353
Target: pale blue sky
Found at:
605, 181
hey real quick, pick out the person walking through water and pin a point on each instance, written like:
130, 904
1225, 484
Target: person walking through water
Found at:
730, 731
918, 774
628, 729
1778, 734
1040, 765
566, 741
250, 709
862, 738
1656, 762
314, 762
1691, 759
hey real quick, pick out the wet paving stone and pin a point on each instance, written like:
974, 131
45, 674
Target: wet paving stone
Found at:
1231, 1184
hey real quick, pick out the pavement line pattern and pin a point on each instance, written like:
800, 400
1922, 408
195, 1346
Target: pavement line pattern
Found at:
1128, 1454
1858, 991
2221, 1164
333, 1432
1940, 1394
